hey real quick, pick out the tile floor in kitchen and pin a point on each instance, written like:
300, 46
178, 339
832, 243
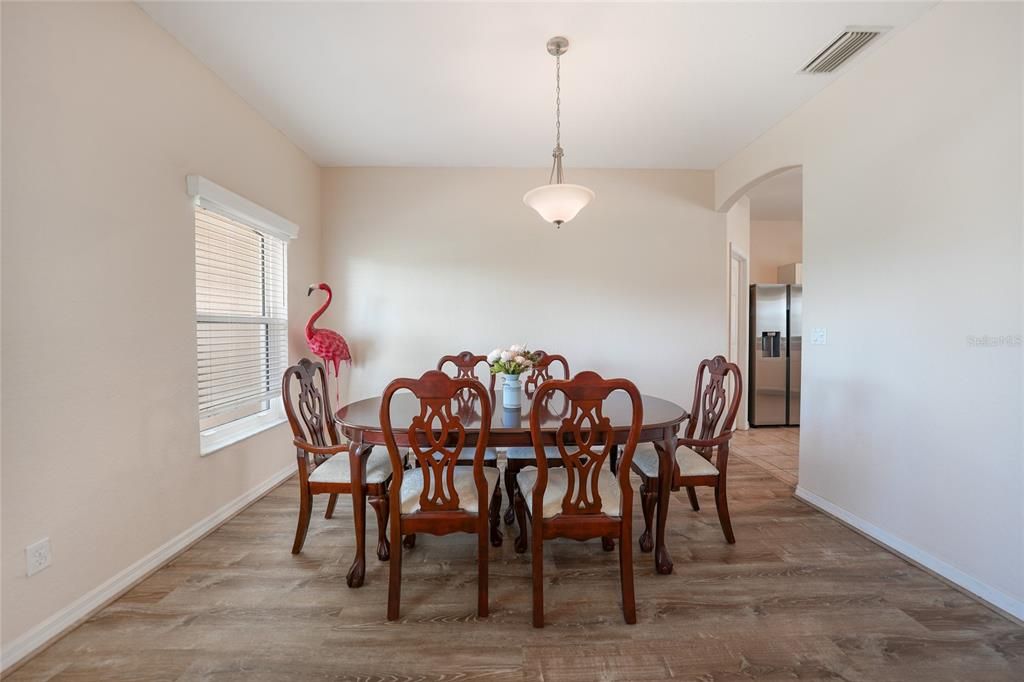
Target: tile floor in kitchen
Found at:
776, 450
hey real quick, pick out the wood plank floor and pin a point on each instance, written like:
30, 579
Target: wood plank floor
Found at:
798, 597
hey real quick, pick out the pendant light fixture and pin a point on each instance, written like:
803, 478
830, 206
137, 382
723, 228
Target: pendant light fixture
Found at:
558, 202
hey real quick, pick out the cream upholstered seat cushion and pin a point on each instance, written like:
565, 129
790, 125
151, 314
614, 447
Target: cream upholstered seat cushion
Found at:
465, 488
690, 463
336, 469
550, 451
558, 481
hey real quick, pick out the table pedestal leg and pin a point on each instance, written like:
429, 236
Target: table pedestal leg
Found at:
357, 465
666, 470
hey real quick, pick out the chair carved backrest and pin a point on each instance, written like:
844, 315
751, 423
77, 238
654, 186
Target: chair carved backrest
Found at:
310, 415
465, 364
437, 436
541, 371
585, 439
714, 412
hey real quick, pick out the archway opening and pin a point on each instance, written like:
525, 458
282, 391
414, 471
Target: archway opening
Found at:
765, 227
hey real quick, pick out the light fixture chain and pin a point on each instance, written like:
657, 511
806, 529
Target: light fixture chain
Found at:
556, 166
558, 101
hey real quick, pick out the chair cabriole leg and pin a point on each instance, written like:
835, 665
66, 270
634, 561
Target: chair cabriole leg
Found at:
691, 492
395, 568
305, 510
723, 511
482, 569
538, 579
626, 574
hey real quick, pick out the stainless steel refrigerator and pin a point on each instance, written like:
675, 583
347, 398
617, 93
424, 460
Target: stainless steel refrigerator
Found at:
774, 373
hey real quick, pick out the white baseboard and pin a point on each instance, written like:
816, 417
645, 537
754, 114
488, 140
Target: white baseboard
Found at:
988, 594
85, 606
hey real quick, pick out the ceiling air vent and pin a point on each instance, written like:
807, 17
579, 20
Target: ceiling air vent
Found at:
839, 51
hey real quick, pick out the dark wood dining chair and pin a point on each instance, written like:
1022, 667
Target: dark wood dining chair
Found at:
702, 454
518, 458
465, 365
325, 462
440, 495
584, 499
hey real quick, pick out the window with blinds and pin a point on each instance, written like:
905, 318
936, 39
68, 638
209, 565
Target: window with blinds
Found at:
241, 318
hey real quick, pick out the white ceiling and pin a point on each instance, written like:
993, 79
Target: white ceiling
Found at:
780, 197
658, 85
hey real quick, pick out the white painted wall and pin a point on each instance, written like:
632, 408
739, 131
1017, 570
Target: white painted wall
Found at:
433, 261
912, 245
773, 243
103, 116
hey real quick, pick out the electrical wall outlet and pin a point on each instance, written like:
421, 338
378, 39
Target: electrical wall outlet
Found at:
819, 336
37, 556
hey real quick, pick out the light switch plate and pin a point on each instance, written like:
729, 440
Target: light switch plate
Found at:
37, 556
819, 336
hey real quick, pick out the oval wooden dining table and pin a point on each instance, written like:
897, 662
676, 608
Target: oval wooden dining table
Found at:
360, 423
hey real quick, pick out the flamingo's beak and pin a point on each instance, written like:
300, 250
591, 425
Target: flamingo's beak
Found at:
310, 290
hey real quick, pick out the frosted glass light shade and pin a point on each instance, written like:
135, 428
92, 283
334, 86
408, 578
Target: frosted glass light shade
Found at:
558, 203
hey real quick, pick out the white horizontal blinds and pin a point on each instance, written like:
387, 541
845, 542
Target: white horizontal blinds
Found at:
241, 316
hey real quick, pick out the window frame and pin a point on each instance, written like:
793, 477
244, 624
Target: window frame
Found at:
216, 199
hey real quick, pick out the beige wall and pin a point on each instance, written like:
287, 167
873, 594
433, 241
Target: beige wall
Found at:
773, 243
103, 116
433, 261
912, 169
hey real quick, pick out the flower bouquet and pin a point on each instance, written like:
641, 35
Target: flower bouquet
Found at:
511, 362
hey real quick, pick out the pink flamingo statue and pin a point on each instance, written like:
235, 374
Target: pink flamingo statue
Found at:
327, 344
